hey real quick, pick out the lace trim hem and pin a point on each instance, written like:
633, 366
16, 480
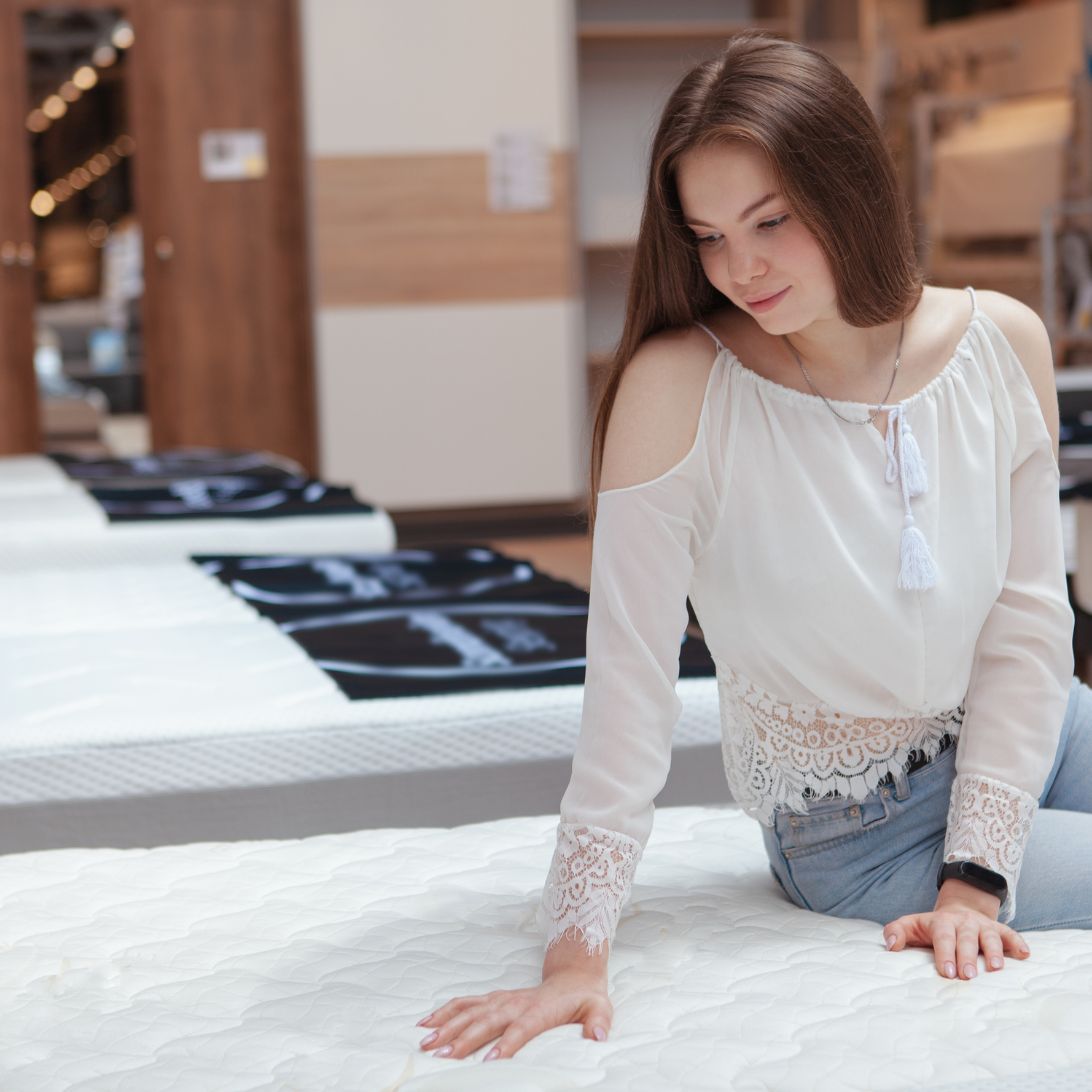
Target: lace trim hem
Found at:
587, 885
778, 755
989, 822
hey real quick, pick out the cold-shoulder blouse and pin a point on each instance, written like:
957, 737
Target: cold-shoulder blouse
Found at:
787, 528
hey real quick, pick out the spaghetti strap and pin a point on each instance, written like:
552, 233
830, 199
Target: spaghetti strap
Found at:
974, 300
716, 340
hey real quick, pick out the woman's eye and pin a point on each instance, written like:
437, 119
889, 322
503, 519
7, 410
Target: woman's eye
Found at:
706, 240
770, 225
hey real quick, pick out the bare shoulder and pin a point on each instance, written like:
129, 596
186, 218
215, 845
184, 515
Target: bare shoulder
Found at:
1022, 327
1026, 333
655, 417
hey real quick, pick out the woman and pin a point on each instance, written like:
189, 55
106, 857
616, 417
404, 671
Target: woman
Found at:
853, 476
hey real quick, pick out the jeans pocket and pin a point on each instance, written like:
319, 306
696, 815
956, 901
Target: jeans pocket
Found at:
940, 766
826, 826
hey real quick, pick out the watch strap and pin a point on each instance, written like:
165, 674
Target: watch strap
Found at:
976, 875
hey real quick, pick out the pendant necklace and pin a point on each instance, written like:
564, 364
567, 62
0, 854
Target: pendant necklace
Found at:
890, 386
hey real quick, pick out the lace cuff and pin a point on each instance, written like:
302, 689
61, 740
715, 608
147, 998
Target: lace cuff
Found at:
588, 882
989, 822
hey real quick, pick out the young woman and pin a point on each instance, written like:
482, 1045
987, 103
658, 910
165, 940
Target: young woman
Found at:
853, 476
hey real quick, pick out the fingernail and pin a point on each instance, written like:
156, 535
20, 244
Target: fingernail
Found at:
599, 1033
949, 970
969, 970
495, 1052
429, 1038
890, 942
995, 963
424, 1020
443, 1052
1025, 951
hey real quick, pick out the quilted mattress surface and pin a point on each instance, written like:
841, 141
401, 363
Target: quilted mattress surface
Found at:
306, 964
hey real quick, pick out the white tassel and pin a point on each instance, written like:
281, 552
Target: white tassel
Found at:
913, 465
918, 569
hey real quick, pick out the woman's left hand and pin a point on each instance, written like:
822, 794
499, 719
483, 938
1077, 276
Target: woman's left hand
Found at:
961, 924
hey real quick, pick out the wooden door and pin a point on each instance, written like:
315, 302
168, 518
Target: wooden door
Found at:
19, 430
227, 310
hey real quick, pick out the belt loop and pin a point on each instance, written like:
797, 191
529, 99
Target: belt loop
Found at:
902, 784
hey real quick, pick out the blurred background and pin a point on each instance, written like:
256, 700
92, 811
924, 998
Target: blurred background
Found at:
390, 239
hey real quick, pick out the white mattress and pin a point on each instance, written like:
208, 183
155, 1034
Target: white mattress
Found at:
49, 520
29, 475
147, 698
306, 964
91, 599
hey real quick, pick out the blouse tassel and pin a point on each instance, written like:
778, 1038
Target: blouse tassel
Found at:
917, 568
913, 465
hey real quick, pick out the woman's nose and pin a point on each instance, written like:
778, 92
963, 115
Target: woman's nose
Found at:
743, 268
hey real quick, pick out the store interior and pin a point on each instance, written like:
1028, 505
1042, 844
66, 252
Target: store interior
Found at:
985, 104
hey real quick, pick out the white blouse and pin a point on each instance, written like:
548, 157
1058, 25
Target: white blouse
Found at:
836, 656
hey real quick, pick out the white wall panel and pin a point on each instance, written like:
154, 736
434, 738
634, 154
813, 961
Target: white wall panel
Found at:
466, 405
400, 76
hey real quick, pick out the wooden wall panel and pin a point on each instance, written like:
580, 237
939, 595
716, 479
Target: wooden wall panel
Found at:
19, 425
227, 306
418, 229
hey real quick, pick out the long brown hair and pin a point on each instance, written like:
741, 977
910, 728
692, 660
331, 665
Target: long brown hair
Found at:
831, 164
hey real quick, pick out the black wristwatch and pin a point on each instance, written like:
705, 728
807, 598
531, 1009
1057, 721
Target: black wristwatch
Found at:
974, 874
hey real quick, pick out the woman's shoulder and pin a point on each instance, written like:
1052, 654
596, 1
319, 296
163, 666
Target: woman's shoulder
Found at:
657, 411
1022, 328
1026, 335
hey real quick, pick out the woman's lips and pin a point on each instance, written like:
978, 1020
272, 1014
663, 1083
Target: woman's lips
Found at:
772, 301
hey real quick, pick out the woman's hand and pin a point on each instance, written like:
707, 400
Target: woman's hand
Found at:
571, 996
961, 924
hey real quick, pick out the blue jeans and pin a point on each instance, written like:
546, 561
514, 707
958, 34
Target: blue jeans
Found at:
878, 859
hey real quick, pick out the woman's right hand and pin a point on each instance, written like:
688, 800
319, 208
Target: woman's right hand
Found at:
573, 991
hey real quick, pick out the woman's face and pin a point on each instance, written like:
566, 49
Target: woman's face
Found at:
750, 244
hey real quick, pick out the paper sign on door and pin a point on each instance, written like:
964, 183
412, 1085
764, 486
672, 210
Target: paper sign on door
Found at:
231, 154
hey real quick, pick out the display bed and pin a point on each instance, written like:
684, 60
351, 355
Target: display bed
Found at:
306, 964
150, 704
171, 506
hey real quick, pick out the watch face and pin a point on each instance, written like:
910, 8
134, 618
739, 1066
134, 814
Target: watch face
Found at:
969, 868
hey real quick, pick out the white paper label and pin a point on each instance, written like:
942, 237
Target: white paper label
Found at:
228, 155
519, 172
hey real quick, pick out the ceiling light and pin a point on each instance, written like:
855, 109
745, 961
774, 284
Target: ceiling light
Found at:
41, 204
85, 77
54, 107
122, 35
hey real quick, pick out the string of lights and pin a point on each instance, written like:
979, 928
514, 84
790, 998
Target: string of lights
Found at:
45, 201
86, 76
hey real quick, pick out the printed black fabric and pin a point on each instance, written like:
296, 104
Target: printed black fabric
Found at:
1074, 430
422, 622
285, 588
224, 498
171, 466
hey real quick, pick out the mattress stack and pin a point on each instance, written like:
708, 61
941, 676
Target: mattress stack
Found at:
151, 698
248, 705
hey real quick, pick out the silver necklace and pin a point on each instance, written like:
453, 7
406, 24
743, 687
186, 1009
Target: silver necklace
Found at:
890, 386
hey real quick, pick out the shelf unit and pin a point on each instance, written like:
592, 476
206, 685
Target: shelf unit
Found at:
662, 30
628, 60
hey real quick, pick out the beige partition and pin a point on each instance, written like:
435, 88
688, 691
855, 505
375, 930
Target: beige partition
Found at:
449, 366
